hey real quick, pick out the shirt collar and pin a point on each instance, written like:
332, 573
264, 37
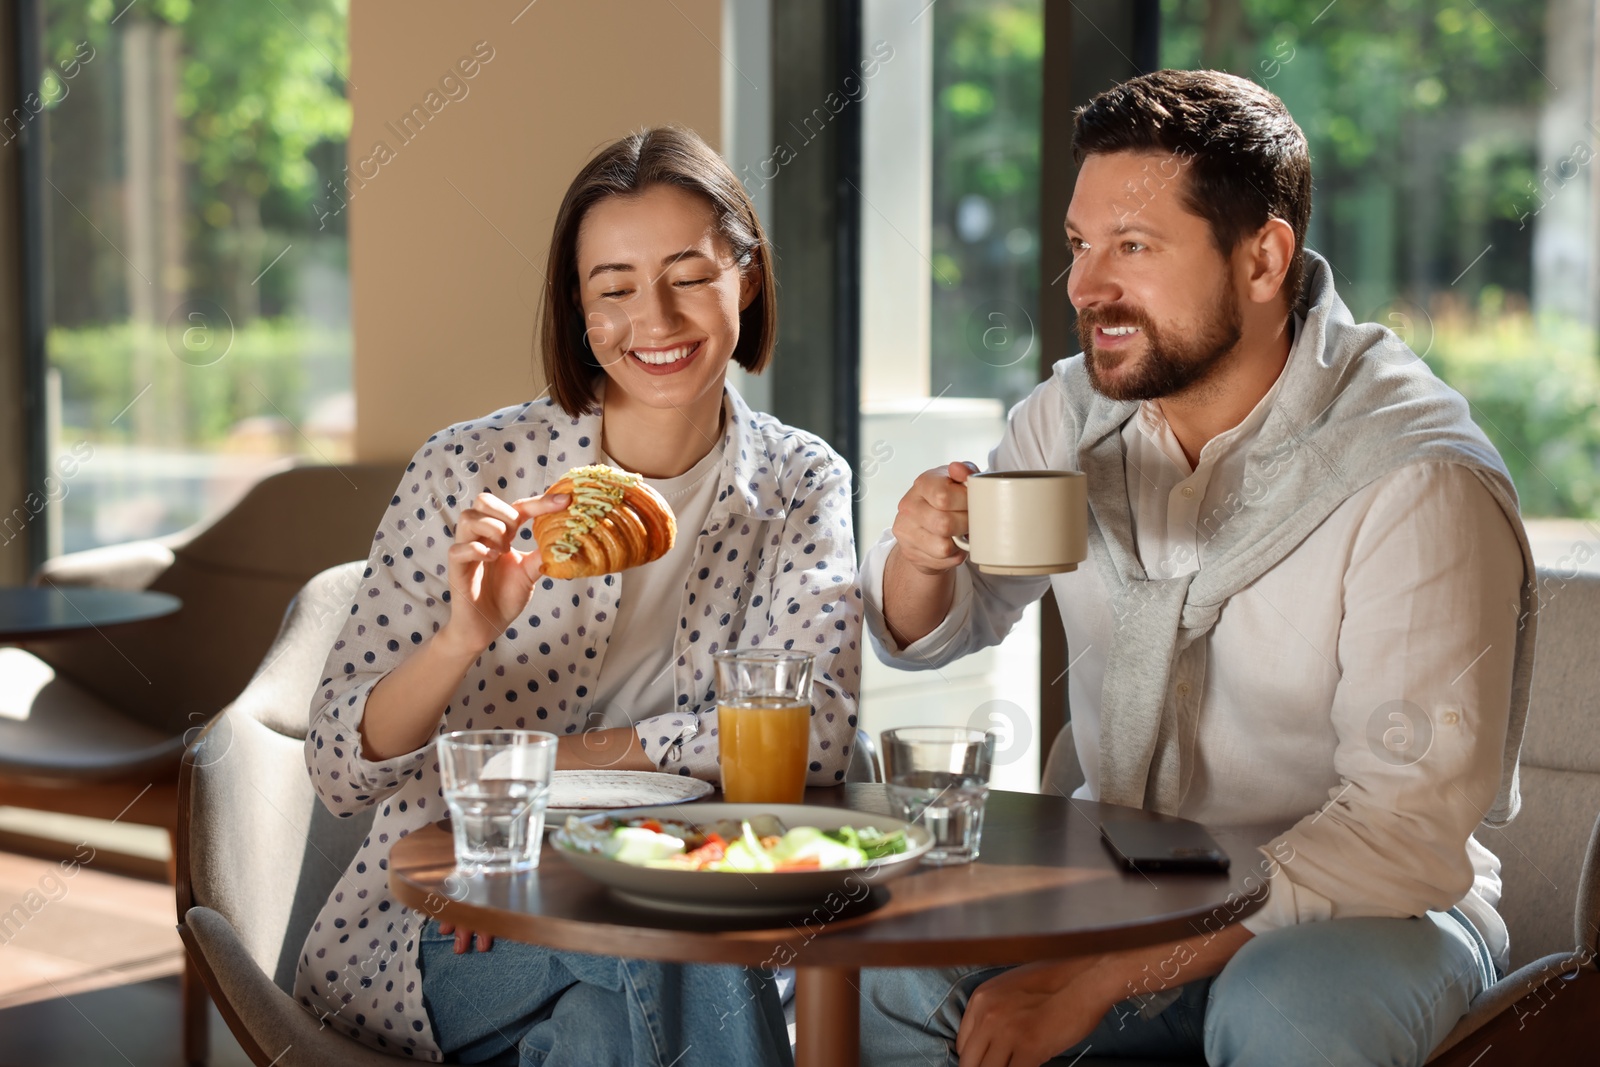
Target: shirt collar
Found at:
1152, 424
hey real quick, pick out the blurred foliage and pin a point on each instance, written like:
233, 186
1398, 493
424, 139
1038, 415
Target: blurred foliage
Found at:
234, 113
260, 103
1534, 387
1423, 118
260, 84
987, 66
273, 368
1370, 64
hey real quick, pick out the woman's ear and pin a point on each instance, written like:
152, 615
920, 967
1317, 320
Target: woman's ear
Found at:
750, 281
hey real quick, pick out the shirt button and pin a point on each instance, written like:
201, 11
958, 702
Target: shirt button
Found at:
1450, 718
1183, 689
1188, 490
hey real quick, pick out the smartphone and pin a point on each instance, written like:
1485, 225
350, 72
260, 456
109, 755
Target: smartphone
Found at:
1148, 845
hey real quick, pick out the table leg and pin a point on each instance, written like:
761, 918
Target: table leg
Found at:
827, 1016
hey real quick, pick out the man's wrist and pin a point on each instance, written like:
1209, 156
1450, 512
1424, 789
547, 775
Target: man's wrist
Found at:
1110, 980
932, 591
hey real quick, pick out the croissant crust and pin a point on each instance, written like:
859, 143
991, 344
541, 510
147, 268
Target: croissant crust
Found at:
615, 521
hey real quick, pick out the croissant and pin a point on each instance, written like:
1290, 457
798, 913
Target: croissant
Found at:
615, 521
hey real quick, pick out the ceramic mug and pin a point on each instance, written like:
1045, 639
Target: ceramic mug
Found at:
1027, 522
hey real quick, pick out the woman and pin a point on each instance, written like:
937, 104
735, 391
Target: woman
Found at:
659, 274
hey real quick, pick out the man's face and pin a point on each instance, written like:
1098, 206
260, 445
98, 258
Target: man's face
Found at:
1157, 310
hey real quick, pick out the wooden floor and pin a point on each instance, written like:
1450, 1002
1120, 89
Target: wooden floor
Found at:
88, 970
123, 1026
68, 928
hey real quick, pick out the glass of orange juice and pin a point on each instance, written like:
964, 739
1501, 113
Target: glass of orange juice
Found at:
763, 724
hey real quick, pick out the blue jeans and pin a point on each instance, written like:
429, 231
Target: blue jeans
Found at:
525, 1005
1340, 993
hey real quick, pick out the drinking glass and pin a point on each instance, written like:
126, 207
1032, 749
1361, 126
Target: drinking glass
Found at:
763, 724
939, 776
496, 784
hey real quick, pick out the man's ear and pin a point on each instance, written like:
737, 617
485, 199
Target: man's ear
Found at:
1269, 254
750, 281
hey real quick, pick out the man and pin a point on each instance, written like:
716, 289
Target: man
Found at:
1308, 600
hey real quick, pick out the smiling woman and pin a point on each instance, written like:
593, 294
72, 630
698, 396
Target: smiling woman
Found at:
660, 276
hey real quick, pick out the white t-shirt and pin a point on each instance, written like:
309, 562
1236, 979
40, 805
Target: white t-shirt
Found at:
636, 676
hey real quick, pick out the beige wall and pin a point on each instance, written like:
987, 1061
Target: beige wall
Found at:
445, 280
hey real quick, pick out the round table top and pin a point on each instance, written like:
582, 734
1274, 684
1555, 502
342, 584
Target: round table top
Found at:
49, 611
1044, 887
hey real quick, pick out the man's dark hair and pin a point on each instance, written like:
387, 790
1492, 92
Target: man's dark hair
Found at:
1246, 158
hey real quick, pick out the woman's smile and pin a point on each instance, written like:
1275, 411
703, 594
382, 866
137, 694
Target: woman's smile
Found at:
666, 360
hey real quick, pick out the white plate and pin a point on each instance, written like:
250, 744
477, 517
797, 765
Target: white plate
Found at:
581, 792
777, 893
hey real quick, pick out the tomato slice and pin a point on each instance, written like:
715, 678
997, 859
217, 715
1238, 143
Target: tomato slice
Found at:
713, 850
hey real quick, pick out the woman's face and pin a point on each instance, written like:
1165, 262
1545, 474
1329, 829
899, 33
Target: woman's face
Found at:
661, 296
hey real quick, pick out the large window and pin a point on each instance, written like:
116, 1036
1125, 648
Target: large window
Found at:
1452, 144
198, 330
950, 292
987, 79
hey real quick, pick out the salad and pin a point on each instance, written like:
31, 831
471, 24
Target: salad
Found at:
752, 846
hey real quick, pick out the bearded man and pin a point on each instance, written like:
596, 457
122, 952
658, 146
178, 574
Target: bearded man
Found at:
1299, 542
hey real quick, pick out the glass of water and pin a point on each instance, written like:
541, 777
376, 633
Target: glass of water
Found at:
938, 776
496, 784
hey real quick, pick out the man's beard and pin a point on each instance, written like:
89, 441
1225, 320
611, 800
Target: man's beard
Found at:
1166, 367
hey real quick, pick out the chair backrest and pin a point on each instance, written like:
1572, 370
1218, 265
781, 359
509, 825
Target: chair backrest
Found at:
254, 842
235, 577
864, 765
1543, 851
1551, 850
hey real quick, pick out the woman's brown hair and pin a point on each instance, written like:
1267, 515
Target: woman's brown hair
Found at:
665, 155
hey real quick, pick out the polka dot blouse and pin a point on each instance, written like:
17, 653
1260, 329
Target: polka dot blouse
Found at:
773, 567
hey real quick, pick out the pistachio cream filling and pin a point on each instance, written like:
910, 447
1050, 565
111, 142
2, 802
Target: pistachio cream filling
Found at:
596, 490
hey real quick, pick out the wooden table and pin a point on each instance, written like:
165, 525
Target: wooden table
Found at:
29, 612
1044, 888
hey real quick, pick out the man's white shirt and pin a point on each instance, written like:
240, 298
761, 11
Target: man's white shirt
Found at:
1399, 613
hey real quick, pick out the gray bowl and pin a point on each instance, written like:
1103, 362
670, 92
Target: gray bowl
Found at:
732, 892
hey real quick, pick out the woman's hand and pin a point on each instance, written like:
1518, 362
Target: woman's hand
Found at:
491, 580
464, 938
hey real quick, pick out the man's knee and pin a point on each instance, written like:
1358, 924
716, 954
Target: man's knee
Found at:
1277, 1003
923, 998
902, 1008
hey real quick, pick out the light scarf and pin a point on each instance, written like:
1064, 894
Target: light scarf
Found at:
1355, 404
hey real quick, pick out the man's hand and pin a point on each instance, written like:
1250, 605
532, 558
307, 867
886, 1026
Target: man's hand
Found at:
1027, 1015
919, 577
933, 511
